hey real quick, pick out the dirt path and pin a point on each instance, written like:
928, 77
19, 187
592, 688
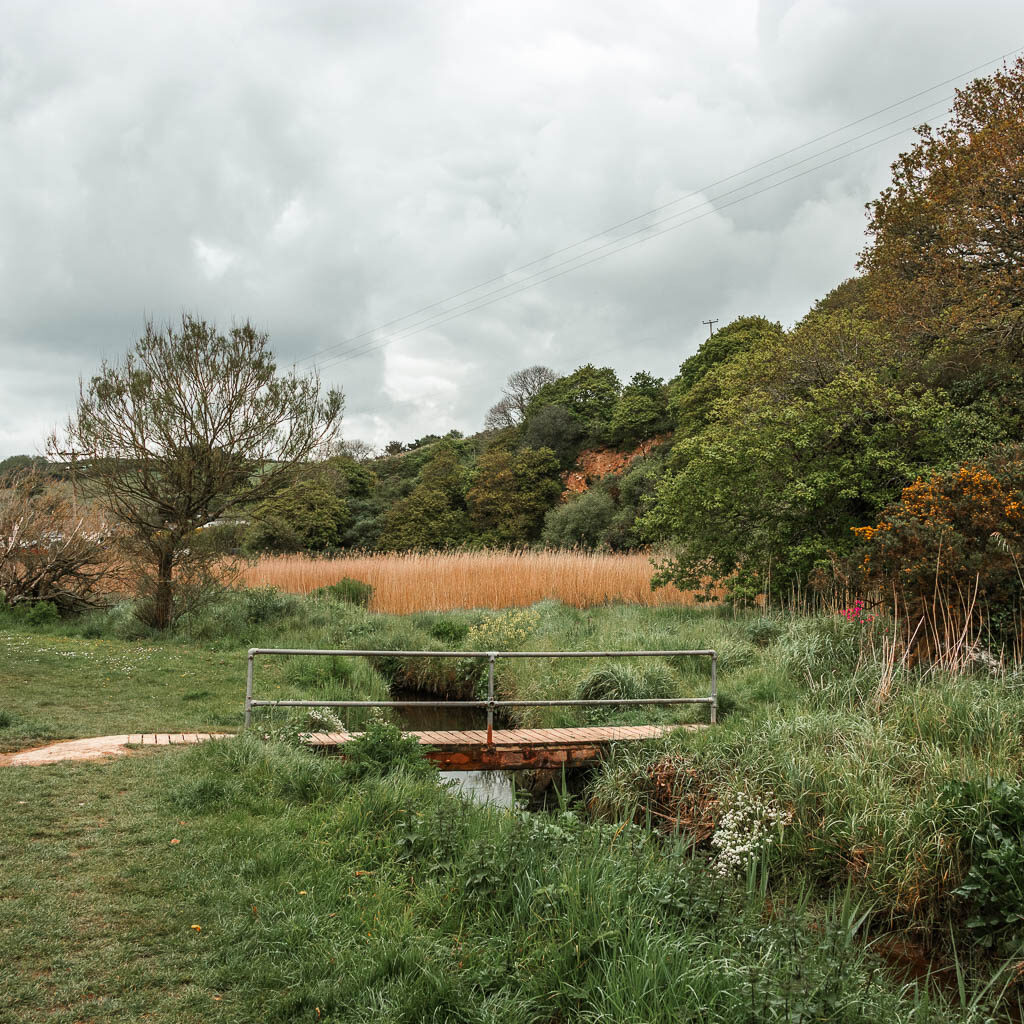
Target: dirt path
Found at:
103, 746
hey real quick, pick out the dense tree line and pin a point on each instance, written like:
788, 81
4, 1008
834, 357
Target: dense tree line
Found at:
783, 443
784, 452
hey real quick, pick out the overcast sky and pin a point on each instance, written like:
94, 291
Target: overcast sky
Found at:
323, 169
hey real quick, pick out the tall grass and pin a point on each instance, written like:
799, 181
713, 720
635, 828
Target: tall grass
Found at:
441, 581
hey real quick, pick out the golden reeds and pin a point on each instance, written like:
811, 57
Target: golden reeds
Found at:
438, 581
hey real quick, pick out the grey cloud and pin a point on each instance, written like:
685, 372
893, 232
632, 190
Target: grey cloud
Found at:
323, 168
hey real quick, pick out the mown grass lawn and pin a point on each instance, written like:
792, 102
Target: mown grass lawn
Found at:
68, 687
94, 922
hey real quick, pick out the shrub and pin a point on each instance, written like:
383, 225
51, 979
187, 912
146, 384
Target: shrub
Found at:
265, 603
991, 822
49, 551
124, 624
449, 631
952, 548
582, 521
348, 590
507, 631
381, 750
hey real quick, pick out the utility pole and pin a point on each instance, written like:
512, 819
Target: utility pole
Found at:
710, 326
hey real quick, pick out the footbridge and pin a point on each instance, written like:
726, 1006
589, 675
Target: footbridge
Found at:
476, 749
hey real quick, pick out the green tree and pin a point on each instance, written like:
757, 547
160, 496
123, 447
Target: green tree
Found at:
944, 267
771, 490
433, 514
519, 391
696, 388
588, 394
308, 515
641, 411
191, 426
947, 235
511, 492
14, 466
555, 428
581, 522
951, 549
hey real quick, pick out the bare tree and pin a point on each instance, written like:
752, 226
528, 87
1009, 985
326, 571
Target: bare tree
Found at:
360, 451
500, 415
49, 551
520, 388
190, 427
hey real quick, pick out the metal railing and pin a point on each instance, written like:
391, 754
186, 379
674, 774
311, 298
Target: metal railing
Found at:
490, 704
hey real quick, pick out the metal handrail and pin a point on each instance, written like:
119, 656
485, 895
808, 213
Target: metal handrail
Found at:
490, 704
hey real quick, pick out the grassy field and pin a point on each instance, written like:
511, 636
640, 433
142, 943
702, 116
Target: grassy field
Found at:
864, 799
441, 581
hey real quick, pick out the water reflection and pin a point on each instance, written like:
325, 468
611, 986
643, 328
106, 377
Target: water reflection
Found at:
497, 788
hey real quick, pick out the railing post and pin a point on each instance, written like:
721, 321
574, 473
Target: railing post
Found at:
490, 699
248, 690
714, 688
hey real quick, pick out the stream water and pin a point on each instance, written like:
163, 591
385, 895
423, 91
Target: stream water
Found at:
494, 787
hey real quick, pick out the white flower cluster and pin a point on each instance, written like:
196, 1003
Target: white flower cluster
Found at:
744, 832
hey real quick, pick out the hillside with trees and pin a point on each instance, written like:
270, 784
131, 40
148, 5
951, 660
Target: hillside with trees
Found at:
785, 457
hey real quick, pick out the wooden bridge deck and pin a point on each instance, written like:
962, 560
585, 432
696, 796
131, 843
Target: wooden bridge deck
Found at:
513, 748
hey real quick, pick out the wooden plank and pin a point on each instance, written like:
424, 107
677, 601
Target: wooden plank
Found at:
514, 748
540, 736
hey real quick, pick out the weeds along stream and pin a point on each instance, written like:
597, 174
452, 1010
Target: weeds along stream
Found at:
855, 811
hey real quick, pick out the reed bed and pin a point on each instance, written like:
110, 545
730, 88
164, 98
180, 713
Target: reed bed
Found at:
441, 581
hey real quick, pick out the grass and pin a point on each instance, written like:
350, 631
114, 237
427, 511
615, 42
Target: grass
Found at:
866, 777
243, 881
441, 581
57, 687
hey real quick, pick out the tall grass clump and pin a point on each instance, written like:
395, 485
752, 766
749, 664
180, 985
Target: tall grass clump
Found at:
394, 899
866, 790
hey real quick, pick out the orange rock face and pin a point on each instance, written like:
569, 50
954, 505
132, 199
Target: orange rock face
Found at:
595, 463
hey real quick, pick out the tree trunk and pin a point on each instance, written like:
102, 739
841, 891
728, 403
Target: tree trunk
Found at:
163, 594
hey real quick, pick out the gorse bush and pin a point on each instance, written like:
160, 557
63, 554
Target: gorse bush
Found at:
952, 548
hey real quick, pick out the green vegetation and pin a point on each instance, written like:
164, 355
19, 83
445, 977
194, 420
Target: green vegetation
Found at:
865, 778
780, 446
894, 791
245, 881
189, 428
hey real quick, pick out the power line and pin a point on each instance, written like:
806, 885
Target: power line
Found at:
543, 275
339, 346
517, 287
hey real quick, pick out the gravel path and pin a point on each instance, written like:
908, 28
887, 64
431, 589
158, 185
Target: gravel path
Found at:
103, 746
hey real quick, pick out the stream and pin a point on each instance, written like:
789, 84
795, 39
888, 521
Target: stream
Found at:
495, 787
